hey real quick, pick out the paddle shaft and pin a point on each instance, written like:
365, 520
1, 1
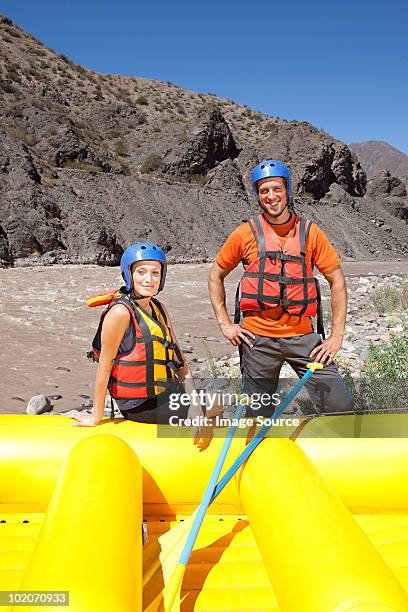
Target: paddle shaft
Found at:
174, 585
213, 489
259, 436
207, 497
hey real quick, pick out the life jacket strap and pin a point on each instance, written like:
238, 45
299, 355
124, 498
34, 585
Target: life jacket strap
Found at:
320, 320
237, 312
281, 278
302, 239
178, 361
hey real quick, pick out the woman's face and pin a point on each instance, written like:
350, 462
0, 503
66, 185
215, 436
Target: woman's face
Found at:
146, 277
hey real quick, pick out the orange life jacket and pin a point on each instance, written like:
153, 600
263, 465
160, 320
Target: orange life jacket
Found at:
280, 276
149, 366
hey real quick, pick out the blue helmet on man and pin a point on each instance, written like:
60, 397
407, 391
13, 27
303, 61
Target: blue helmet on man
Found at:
142, 251
268, 169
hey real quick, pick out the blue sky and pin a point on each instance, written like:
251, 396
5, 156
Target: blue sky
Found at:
342, 66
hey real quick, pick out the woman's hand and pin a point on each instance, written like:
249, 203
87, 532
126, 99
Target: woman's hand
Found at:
203, 437
84, 419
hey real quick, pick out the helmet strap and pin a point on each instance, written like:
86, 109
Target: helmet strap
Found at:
135, 296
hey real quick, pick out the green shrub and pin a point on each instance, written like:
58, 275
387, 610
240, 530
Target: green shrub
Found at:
306, 195
13, 75
13, 32
383, 384
26, 137
327, 318
65, 59
389, 360
81, 165
127, 169
389, 299
121, 148
81, 125
8, 87
142, 100
200, 179
212, 364
151, 163
306, 405
38, 52
79, 68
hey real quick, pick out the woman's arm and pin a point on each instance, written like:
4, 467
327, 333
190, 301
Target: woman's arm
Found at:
114, 326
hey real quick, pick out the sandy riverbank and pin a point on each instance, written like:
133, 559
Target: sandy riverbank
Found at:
46, 329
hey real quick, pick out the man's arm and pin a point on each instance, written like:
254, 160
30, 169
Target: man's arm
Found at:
232, 331
326, 351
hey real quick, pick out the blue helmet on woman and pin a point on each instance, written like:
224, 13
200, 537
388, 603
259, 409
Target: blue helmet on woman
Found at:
268, 169
142, 251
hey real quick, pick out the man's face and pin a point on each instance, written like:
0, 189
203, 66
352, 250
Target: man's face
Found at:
272, 195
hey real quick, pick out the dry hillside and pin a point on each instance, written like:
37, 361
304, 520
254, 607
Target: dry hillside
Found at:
92, 162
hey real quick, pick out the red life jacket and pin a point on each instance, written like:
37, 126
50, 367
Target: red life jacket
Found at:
280, 276
146, 369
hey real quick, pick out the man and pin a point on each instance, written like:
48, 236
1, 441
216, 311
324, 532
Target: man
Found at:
279, 294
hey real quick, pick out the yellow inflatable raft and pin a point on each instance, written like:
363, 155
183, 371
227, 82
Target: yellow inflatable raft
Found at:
313, 523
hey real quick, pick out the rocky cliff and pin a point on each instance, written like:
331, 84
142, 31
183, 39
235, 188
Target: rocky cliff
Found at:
376, 156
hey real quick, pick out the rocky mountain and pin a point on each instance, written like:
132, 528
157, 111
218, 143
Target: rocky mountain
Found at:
90, 163
377, 155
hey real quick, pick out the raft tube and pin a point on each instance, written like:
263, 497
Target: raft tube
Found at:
315, 523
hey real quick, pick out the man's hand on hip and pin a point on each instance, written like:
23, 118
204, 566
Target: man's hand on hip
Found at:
236, 334
326, 351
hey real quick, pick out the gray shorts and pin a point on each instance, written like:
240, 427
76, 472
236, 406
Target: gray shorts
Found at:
261, 365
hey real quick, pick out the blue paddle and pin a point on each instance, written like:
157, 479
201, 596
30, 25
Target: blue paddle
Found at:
213, 489
264, 430
177, 577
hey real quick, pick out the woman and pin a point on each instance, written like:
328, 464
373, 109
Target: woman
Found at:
140, 361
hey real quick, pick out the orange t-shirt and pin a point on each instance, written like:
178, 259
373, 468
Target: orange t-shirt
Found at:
274, 322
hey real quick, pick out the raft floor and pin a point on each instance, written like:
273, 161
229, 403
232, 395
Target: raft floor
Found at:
225, 571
